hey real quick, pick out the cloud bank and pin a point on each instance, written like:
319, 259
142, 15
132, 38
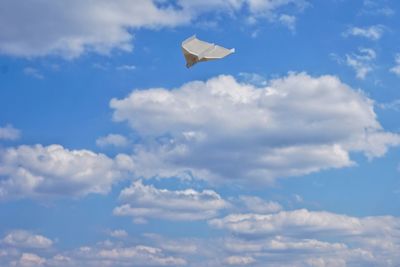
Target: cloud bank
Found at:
41, 171
69, 29
222, 129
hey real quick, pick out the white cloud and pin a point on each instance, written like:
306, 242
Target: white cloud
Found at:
374, 243
117, 255
223, 129
393, 105
396, 68
280, 244
70, 29
374, 32
239, 260
103, 254
35, 73
146, 201
38, 171
310, 238
8, 132
119, 233
361, 62
304, 222
116, 140
258, 205
127, 67
25, 239
377, 8
30, 260
288, 21
146, 255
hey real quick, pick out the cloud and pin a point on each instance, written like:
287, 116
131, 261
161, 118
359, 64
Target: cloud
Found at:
222, 130
41, 171
138, 255
30, 260
35, 73
119, 233
147, 256
312, 238
25, 239
73, 28
70, 29
256, 204
146, 201
377, 8
239, 260
303, 222
116, 140
393, 105
396, 68
374, 32
8, 132
361, 62
127, 67
288, 21
375, 242
103, 254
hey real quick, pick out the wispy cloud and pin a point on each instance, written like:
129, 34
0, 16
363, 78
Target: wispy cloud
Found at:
35, 73
396, 68
373, 32
127, 67
376, 8
361, 62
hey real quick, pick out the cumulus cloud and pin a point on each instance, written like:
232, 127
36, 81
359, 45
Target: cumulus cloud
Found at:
116, 140
223, 129
40, 171
239, 260
304, 222
70, 29
374, 32
376, 244
25, 239
141, 255
103, 254
312, 238
30, 260
8, 132
146, 201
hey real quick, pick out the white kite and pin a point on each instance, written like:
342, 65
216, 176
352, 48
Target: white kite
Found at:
196, 50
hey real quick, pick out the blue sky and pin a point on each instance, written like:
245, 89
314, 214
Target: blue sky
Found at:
113, 153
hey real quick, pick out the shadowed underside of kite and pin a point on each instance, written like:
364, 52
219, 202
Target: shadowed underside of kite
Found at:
196, 50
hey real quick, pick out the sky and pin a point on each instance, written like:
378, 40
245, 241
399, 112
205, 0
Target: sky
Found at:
114, 154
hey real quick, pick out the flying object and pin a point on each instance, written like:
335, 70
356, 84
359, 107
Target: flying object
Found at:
196, 50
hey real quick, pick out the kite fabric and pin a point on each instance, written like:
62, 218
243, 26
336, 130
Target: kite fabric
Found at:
196, 50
